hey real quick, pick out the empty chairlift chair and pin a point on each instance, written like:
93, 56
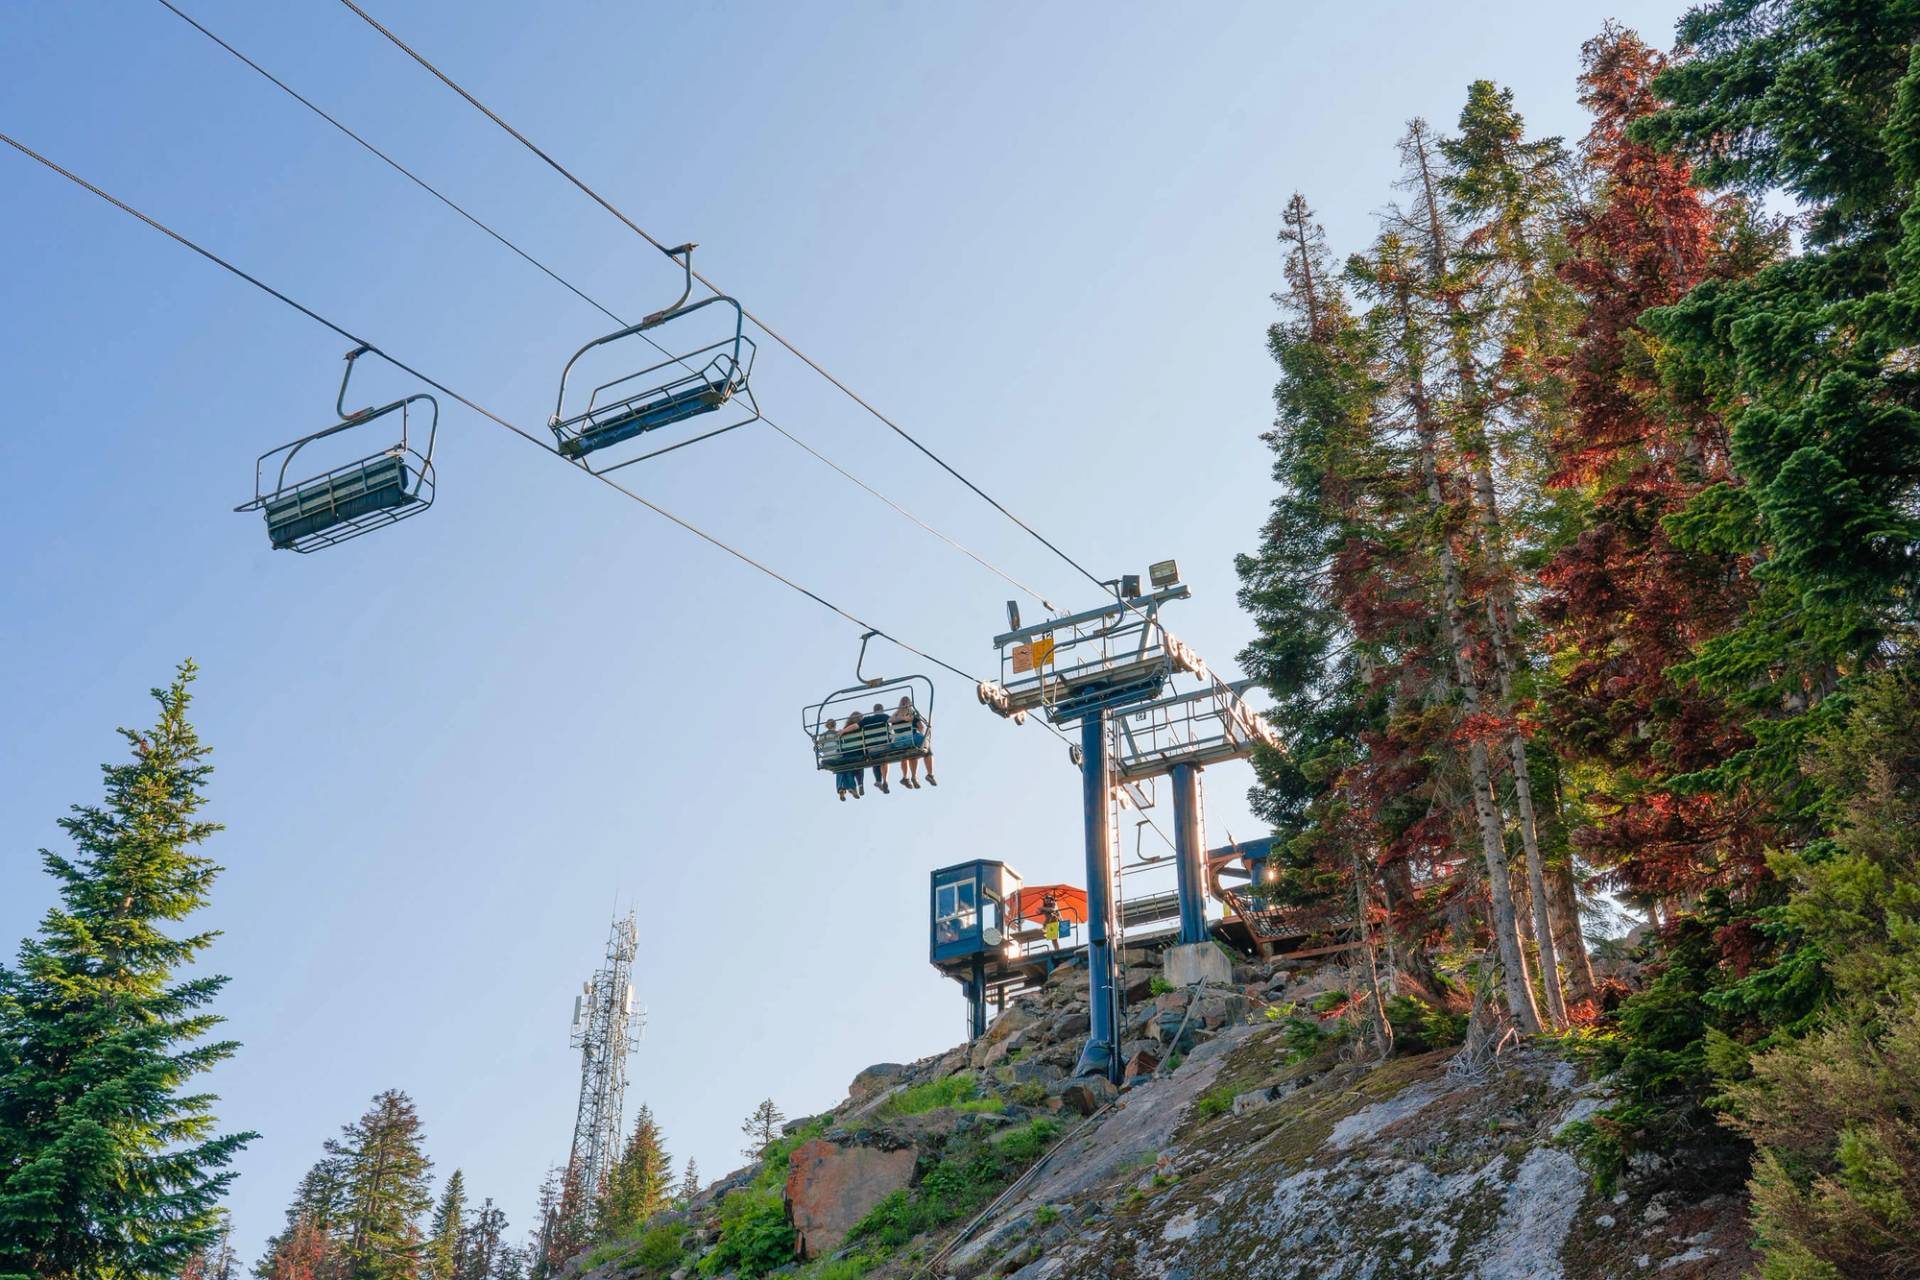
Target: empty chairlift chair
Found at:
354, 497
685, 384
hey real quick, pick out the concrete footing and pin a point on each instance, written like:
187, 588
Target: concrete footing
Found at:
1188, 963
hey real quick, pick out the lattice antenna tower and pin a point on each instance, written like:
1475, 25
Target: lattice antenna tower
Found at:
606, 1025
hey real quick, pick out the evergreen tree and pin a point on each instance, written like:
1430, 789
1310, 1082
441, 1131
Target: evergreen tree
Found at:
446, 1239
107, 1166
690, 1182
565, 1221
384, 1180
639, 1184
480, 1249
305, 1252
317, 1208
761, 1128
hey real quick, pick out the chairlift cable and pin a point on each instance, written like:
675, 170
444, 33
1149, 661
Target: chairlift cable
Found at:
587, 298
484, 412
771, 332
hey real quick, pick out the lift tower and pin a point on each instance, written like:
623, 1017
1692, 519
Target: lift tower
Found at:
606, 1025
1106, 670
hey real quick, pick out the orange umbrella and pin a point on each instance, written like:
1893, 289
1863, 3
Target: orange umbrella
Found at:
1070, 902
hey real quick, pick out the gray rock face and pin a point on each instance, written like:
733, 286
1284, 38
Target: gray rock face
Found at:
1341, 1172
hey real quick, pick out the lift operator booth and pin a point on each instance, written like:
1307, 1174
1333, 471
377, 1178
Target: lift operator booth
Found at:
996, 937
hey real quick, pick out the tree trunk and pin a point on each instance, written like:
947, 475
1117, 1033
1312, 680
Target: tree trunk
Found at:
1500, 577
1492, 840
1569, 941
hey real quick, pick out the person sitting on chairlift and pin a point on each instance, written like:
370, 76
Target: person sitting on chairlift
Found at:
851, 750
905, 723
843, 780
877, 719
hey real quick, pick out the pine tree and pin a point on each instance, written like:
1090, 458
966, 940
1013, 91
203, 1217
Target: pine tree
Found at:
446, 1238
761, 1128
223, 1262
565, 1221
106, 1166
1625, 603
639, 1184
481, 1246
512, 1264
305, 1252
384, 1177
319, 1204
690, 1182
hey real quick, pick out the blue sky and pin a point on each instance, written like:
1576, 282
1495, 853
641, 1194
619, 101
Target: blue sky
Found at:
1040, 236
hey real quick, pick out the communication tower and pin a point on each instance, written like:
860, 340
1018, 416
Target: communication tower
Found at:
606, 1024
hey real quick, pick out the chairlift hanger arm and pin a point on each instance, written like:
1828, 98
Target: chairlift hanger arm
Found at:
685, 254
340, 401
1151, 603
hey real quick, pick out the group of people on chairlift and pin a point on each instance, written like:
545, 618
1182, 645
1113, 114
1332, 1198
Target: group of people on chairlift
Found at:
850, 737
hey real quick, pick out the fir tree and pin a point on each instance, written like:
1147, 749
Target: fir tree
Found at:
305, 1252
107, 1165
481, 1246
446, 1238
639, 1184
690, 1181
761, 1128
384, 1178
565, 1221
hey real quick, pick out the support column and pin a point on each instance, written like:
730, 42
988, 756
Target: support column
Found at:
977, 999
1102, 1054
1189, 853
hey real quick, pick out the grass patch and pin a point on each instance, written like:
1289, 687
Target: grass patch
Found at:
608, 1252
1159, 986
1045, 1216
961, 1091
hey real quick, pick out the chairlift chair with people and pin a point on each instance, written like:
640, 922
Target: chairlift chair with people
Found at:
876, 722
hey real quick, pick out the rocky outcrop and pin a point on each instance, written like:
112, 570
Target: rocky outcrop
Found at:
1241, 1165
1249, 1140
830, 1187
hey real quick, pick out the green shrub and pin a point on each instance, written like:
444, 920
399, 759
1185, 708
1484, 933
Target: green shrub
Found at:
1159, 986
1306, 1037
1328, 1001
1030, 1093
1214, 1102
1419, 1026
754, 1235
658, 1250
972, 1172
1045, 1216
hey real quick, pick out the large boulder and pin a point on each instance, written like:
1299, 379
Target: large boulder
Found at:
831, 1187
1084, 1095
878, 1077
